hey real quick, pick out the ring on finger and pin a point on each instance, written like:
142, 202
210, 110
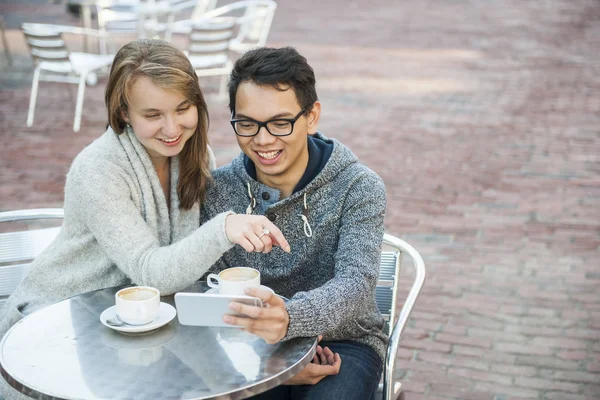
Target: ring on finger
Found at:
264, 232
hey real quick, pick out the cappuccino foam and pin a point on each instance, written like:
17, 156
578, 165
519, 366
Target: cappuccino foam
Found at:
135, 294
238, 275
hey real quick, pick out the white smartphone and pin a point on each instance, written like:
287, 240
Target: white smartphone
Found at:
207, 309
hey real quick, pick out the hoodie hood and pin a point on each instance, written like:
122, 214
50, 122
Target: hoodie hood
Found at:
341, 158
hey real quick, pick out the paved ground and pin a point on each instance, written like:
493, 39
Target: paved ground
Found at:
482, 117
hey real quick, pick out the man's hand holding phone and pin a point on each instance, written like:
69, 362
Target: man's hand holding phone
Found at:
270, 322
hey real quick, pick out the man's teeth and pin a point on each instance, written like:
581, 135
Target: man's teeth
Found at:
270, 155
170, 140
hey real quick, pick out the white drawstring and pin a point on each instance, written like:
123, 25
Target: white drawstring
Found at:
304, 217
252, 204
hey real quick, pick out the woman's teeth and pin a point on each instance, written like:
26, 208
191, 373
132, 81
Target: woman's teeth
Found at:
171, 140
270, 155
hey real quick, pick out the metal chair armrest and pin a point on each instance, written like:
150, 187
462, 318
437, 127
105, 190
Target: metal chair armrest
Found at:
184, 6
64, 29
226, 9
404, 312
37, 213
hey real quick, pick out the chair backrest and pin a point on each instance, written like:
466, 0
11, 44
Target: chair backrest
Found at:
386, 294
19, 248
46, 45
257, 22
117, 16
254, 22
211, 37
201, 7
387, 287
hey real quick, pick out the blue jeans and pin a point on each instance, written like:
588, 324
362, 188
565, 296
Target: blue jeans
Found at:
358, 377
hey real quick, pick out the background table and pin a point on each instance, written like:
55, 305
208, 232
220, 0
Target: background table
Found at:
63, 351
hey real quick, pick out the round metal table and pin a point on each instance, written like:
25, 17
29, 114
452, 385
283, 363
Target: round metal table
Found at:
64, 352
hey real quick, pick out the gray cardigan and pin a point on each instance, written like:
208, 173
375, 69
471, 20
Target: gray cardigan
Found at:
330, 276
118, 230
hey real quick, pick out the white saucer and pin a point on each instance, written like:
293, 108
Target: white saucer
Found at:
129, 341
216, 290
166, 313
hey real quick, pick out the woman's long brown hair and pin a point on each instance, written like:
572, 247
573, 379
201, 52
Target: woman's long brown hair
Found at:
168, 68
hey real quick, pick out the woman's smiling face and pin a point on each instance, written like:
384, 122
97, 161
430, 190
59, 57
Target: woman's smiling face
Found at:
163, 120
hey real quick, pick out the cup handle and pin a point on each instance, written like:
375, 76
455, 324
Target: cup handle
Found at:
212, 284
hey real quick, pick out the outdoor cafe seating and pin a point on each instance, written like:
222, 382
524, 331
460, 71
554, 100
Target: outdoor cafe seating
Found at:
19, 247
55, 63
211, 36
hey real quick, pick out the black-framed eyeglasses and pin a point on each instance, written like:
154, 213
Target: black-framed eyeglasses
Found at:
247, 127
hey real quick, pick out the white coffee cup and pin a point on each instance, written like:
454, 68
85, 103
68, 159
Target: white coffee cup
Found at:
137, 305
234, 280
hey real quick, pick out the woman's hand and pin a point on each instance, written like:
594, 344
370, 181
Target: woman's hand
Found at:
254, 233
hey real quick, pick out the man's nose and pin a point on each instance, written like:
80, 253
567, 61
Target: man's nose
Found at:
264, 137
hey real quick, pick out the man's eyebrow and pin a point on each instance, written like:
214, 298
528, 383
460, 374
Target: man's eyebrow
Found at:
183, 103
276, 116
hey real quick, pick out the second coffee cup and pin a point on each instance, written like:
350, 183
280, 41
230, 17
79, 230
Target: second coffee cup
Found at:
137, 305
234, 280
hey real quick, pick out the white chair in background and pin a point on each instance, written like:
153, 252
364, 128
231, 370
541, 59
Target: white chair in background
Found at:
253, 19
55, 63
123, 18
208, 49
180, 10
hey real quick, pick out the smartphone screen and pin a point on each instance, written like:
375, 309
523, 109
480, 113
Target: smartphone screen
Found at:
201, 309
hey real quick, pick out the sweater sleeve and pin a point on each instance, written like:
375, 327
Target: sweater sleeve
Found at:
343, 298
100, 198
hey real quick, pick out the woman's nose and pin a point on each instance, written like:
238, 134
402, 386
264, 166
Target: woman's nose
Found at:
170, 127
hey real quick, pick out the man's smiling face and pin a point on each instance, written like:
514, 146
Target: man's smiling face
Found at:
279, 160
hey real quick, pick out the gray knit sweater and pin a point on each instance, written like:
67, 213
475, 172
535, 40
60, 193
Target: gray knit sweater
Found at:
330, 277
118, 230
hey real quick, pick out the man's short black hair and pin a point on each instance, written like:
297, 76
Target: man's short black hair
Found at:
281, 68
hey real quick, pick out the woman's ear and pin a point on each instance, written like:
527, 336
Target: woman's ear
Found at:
313, 118
124, 116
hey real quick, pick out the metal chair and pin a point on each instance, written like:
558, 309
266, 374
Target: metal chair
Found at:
179, 10
19, 248
254, 24
253, 18
55, 63
7, 52
132, 19
208, 49
385, 294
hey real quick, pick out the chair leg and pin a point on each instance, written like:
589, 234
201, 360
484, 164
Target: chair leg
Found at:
33, 96
223, 86
5, 42
79, 106
225, 80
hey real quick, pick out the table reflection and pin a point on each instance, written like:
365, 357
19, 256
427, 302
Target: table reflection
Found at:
64, 351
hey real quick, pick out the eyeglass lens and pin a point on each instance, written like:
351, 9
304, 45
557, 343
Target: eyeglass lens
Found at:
275, 127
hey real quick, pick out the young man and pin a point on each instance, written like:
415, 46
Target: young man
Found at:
329, 207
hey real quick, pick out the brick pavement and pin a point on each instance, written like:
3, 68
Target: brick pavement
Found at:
482, 117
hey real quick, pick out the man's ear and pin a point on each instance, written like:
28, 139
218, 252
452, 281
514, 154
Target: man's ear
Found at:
313, 118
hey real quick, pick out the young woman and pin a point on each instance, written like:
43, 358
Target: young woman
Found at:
132, 196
